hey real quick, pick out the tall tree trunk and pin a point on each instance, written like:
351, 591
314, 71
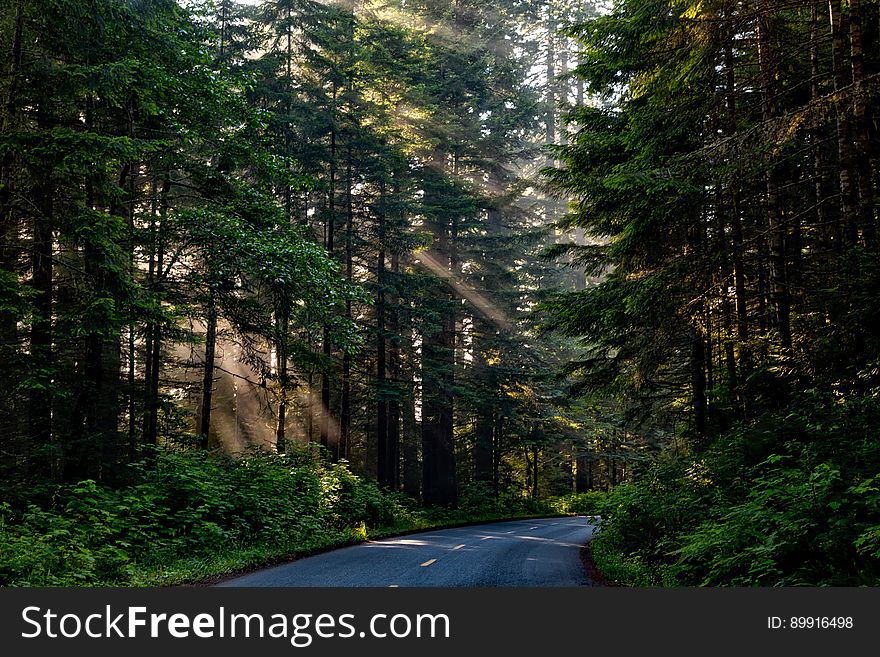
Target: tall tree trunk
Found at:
563, 85
153, 355
499, 445
438, 455
485, 424
779, 289
535, 471
698, 385
11, 429
439, 486
829, 228
582, 474
283, 320
412, 471
208, 369
482, 346
550, 103
550, 110
282, 307
848, 192
393, 310
41, 334
343, 447
862, 151
615, 445
383, 468
726, 338
132, 343
326, 415
94, 450
736, 229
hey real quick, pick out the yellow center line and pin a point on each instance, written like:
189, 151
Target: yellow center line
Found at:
428, 563
458, 547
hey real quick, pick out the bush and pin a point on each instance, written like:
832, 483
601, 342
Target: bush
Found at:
789, 499
591, 503
190, 505
190, 514
349, 500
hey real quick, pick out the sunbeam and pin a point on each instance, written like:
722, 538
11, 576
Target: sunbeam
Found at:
485, 308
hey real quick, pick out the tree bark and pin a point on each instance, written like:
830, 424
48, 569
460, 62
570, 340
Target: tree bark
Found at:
343, 446
581, 479
12, 430
153, 355
208, 369
41, 332
846, 175
497, 452
412, 471
326, 415
862, 144
283, 329
384, 466
393, 310
779, 289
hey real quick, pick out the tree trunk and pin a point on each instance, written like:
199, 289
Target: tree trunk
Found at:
11, 427
779, 292
563, 85
208, 369
499, 445
132, 344
550, 104
153, 356
412, 470
39, 396
862, 151
283, 313
848, 193
581, 478
439, 486
326, 415
438, 455
483, 444
383, 459
736, 229
394, 372
550, 110
698, 385
343, 446
94, 451
535, 471
829, 228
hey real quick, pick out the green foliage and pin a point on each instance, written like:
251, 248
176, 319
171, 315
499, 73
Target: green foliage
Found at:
477, 500
351, 501
190, 504
737, 310
591, 503
745, 514
618, 567
194, 514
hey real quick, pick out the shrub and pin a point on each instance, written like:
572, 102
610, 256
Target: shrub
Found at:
791, 498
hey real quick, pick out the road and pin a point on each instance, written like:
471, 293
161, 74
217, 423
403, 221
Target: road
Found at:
537, 552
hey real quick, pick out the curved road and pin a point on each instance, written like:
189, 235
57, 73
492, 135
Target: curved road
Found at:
537, 552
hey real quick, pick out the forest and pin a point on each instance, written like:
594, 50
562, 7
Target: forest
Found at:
280, 275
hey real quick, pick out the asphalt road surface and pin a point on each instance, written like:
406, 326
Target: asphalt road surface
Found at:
538, 552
